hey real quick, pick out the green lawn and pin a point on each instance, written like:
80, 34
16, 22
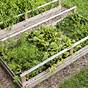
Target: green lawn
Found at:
78, 81
82, 6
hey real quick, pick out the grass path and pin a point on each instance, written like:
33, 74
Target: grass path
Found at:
78, 81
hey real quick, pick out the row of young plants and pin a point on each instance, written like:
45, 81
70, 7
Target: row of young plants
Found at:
33, 48
9, 9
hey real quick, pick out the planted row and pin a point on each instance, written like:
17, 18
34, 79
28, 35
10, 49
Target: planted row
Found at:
9, 9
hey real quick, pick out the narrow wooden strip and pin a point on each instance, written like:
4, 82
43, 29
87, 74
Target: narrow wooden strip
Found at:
5, 66
23, 79
71, 51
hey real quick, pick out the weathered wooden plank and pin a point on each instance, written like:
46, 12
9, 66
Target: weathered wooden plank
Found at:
46, 74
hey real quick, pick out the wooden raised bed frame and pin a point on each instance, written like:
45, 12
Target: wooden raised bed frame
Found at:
46, 74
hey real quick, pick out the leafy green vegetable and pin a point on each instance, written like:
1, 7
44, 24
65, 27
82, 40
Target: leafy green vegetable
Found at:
74, 26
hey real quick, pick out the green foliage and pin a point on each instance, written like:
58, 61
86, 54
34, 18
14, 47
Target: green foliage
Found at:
74, 26
33, 48
16, 79
53, 68
49, 40
82, 6
9, 9
78, 81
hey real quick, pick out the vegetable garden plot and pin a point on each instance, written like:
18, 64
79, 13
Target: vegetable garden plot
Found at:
14, 11
46, 14
50, 17
43, 43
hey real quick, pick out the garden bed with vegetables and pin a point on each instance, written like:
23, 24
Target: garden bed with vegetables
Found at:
14, 11
30, 16
11, 9
35, 47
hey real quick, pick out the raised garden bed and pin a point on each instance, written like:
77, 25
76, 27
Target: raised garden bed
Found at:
45, 17
22, 10
15, 11
35, 47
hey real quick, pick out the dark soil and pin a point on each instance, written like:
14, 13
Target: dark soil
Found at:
5, 80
